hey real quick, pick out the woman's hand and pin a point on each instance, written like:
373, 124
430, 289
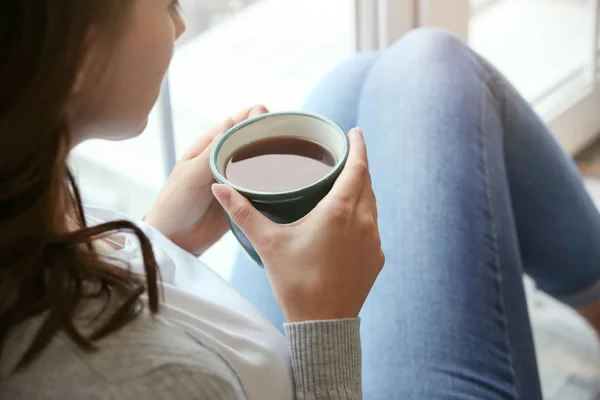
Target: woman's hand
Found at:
324, 265
185, 210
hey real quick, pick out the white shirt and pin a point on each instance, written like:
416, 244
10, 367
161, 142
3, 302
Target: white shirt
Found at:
206, 305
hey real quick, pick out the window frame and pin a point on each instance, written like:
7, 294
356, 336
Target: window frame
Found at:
571, 107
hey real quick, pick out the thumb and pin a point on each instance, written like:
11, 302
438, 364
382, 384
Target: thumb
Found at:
242, 213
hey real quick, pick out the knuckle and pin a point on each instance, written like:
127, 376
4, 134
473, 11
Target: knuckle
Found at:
257, 109
376, 239
342, 211
372, 195
381, 260
361, 169
365, 229
267, 242
240, 215
368, 224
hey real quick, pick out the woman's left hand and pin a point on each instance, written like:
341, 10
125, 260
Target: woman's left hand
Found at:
186, 211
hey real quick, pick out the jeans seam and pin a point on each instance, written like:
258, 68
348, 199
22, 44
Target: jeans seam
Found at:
488, 82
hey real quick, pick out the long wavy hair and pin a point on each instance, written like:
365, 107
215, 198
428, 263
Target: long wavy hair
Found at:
47, 269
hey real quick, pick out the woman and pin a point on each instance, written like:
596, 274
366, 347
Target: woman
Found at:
471, 191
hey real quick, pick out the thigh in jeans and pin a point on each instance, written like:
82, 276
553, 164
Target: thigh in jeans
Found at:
447, 317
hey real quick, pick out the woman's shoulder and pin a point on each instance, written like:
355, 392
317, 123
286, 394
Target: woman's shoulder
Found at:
142, 360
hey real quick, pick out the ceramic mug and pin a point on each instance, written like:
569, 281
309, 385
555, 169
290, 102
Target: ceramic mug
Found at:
288, 206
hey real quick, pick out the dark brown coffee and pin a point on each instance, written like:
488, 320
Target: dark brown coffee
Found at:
279, 164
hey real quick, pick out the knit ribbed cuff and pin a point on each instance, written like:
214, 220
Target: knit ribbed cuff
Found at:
326, 359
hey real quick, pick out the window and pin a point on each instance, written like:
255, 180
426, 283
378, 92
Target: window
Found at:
272, 52
548, 50
537, 44
241, 52
236, 53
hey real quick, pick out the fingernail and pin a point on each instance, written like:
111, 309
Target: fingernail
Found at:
359, 131
221, 193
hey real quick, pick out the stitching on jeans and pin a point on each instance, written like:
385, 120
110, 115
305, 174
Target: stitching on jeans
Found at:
488, 83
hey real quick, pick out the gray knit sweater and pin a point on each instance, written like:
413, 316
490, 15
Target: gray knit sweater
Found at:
150, 359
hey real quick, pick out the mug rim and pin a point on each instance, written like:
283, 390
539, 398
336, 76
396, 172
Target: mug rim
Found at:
220, 178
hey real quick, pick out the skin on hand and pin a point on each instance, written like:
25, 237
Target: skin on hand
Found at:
185, 210
323, 266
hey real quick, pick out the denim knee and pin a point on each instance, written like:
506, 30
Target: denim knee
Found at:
434, 53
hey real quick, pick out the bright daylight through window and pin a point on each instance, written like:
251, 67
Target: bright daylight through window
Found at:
235, 54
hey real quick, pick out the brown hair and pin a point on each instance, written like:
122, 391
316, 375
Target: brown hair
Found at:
45, 267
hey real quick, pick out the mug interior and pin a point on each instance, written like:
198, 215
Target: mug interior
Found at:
304, 126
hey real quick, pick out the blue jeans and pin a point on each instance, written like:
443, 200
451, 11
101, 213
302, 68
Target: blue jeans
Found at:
472, 191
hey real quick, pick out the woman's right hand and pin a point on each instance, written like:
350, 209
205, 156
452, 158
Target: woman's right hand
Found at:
323, 266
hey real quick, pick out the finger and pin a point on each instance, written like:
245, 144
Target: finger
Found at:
205, 140
372, 196
249, 113
201, 161
201, 164
216, 219
374, 204
214, 226
254, 225
368, 196
349, 185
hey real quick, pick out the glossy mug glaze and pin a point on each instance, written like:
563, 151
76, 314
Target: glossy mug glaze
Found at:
288, 206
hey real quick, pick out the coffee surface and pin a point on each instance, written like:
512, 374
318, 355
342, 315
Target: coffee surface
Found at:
279, 164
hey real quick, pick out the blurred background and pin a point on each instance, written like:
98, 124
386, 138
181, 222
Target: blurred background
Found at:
237, 53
